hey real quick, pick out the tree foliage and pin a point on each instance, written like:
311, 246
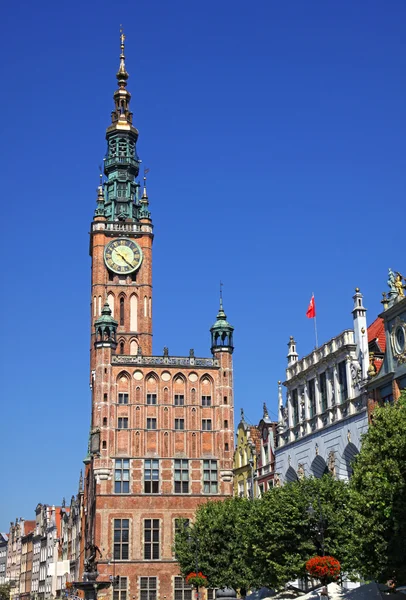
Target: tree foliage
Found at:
242, 543
292, 523
217, 544
5, 589
378, 490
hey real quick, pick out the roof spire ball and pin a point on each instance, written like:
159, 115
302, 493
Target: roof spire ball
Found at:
221, 331
122, 74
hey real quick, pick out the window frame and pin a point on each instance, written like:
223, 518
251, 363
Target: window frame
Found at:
210, 481
206, 400
150, 591
122, 423
151, 421
179, 399
122, 398
207, 425
179, 424
152, 399
179, 468
122, 469
122, 544
152, 547
151, 465
183, 592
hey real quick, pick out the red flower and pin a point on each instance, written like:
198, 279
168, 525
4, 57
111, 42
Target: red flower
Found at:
325, 568
196, 579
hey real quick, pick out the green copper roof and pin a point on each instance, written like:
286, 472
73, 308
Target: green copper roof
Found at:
221, 324
106, 318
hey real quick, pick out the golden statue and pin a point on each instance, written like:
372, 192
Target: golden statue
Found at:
399, 285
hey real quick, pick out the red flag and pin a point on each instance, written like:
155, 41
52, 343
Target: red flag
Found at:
311, 311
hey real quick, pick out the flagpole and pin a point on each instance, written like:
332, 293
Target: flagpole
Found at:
315, 327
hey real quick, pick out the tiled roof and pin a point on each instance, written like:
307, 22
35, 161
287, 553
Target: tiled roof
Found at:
376, 331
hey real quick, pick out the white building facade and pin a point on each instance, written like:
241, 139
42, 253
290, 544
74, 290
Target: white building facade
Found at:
325, 414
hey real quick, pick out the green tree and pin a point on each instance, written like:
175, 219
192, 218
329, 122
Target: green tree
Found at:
5, 589
378, 490
218, 543
296, 522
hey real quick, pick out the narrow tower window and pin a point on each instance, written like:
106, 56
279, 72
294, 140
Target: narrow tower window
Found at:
133, 313
121, 311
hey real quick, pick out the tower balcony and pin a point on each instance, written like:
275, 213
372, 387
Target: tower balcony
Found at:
121, 161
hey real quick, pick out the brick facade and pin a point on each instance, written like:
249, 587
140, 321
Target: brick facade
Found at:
162, 427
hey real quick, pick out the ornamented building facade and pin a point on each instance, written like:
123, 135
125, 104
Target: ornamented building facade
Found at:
325, 414
245, 459
161, 439
389, 380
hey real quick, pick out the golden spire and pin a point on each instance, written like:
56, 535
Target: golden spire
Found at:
122, 74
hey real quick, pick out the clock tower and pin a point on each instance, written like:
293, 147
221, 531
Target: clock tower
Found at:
162, 427
121, 234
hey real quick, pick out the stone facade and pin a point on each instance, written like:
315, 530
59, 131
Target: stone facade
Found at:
325, 413
161, 439
18, 530
268, 440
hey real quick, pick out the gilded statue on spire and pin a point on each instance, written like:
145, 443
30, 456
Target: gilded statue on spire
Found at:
396, 289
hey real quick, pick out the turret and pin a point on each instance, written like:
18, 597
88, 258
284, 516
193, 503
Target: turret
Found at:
292, 354
105, 329
359, 314
222, 332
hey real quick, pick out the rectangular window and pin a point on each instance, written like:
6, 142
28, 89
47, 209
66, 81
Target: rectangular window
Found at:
122, 423
148, 587
122, 476
225, 424
179, 400
151, 476
206, 400
151, 539
120, 589
210, 476
206, 424
295, 406
211, 593
342, 381
151, 398
179, 423
151, 423
181, 476
312, 397
121, 538
122, 398
225, 400
183, 591
323, 391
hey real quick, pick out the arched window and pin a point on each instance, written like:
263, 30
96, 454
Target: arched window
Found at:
121, 347
133, 313
145, 306
110, 300
133, 347
121, 311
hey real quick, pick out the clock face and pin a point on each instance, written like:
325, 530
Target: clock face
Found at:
123, 256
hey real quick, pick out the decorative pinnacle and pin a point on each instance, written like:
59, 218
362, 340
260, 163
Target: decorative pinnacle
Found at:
122, 74
144, 197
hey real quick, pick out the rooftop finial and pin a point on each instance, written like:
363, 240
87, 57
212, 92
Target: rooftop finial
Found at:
122, 74
144, 193
221, 295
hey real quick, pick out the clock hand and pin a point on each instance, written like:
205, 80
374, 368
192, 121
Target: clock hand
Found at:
124, 259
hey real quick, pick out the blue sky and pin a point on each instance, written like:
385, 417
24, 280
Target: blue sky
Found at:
274, 133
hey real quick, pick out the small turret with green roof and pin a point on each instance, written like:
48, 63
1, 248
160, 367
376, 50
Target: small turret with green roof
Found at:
221, 332
106, 328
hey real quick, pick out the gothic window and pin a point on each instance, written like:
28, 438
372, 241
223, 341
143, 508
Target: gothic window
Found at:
145, 306
121, 347
226, 447
148, 588
104, 421
151, 476
225, 423
121, 538
181, 473
122, 476
210, 476
121, 311
133, 347
94, 306
133, 313
110, 300
225, 400
151, 539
